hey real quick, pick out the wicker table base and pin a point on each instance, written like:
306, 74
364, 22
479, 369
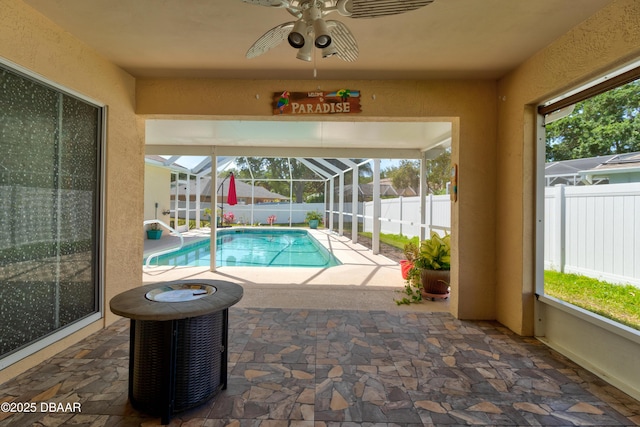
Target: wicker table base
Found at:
178, 350
176, 365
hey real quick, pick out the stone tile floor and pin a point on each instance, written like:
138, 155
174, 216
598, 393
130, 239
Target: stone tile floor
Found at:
317, 368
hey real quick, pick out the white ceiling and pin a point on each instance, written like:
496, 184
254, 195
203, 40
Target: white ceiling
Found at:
240, 137
209, 38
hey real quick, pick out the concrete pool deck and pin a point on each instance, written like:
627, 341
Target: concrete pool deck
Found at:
364, 281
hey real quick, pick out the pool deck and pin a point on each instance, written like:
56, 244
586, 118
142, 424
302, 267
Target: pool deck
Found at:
364, 281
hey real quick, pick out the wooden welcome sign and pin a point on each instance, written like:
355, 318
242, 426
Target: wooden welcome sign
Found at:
343, 101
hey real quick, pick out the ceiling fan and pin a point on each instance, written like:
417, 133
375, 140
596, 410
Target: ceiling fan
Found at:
332, 37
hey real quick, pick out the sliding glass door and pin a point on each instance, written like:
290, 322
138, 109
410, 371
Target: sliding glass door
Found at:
50, 145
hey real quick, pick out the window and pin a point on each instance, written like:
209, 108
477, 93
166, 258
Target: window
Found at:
50, 180
592, 195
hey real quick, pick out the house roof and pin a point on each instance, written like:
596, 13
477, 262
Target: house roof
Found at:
620, 161
243, 190
574, 166
386, 189
589, 167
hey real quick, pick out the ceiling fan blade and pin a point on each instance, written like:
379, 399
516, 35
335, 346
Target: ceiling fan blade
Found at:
270, 3
376, 8
270, 39
344, 41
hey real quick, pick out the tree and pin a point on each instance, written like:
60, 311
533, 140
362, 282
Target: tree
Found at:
608, 123
276, 172
407, 174
439, 173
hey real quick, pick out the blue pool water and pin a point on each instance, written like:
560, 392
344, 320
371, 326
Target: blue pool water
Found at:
254, 248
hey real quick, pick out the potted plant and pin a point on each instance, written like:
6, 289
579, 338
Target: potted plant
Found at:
313, 218
154, 232
410, 254
428, 276
228, 218
434, 264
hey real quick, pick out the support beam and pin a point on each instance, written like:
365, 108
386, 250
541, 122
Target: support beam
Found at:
187, 202
214, 209
176, 201
332, 189
308, 152
423, 195
375, 241
341, 204
198, 196
355, 193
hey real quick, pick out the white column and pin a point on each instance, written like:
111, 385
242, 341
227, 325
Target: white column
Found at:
377, 209
198, 195
423, 195
176, 202
187, 201
332, 188
354, 205
214, 209
400, 199
341, 205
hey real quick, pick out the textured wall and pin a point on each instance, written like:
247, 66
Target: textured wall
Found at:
608, 39
33, 42
469, 105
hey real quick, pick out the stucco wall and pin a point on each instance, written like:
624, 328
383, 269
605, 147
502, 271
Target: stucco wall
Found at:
469, 105
608, 39
33, 42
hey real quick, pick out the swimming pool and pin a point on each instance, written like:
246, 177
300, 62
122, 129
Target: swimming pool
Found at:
254, 247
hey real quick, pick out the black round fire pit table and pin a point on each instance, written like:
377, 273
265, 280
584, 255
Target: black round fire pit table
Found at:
178, 342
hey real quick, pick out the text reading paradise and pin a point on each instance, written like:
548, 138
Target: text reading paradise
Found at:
343, 101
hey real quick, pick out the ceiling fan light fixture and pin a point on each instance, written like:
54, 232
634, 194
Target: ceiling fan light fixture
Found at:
322, 34
345, 7
296, 37
306, 51
329, 51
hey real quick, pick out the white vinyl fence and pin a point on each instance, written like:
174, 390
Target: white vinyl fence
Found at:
589, 230
594, 231
259, 212
402, 215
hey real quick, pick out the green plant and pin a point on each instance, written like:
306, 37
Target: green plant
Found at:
411, 251
432, 254
412, 290
313, 215
435, 253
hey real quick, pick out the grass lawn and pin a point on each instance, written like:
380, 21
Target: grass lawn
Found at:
617, 302
396, 240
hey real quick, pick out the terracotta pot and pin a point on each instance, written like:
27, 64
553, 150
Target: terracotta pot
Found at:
435, 282
405, 266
